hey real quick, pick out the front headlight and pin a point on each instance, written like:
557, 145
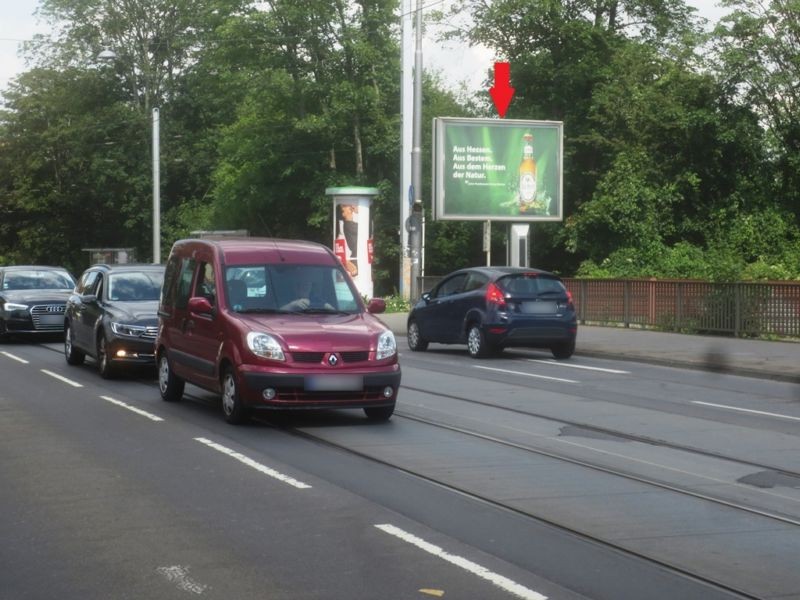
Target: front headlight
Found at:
128, 330
11, 306
265, 346
386, 346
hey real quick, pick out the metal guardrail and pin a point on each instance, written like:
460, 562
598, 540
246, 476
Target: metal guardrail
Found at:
738, 309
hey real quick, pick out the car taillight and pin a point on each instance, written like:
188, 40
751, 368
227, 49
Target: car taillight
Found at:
570, 303
495, 296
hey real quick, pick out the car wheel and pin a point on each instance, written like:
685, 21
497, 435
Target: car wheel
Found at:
169, 384
232, 405
3, 331
104, 366
415, 341
71, 353
476, 342
379, 413
563, 350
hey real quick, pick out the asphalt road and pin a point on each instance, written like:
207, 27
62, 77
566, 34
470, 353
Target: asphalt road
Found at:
502, 478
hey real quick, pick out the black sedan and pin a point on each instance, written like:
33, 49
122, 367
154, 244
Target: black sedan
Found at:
113, 316
491, 308
32, 299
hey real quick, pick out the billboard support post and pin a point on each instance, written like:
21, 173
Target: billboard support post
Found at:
487, 242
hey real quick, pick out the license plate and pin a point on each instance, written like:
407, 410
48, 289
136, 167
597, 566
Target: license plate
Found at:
539, 308
334, 383
51, 320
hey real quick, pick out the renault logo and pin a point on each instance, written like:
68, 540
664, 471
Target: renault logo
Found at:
332, 360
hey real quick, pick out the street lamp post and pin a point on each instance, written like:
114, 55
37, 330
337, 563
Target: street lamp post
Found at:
156, 187
108, 55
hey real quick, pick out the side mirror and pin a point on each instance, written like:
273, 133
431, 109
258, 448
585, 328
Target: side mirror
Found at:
200, 306
376, 306
88, 298
426, 296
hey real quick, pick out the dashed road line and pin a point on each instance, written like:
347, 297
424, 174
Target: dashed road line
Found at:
138, 411
16, 358
255, 465
527, 374
500, 581
747, 410
574, 366
62, 378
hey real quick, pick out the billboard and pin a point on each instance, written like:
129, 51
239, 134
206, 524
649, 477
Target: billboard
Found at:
497, 170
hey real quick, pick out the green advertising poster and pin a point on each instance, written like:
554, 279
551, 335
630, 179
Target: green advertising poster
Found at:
497, 170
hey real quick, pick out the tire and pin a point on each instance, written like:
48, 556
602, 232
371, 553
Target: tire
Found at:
476, 342
71, 353
563, 350
379, 413
104, 366
415, 341
233, 408
3, 332
169, 385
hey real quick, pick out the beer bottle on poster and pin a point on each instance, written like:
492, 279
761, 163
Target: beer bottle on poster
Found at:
527, 175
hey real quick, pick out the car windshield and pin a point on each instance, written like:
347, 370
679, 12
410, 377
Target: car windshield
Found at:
37, 279
531, 284
307, 289
135, 286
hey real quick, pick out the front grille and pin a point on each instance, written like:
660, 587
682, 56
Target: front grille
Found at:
150, 333
301, 395
316, 357
48, 317
308, 357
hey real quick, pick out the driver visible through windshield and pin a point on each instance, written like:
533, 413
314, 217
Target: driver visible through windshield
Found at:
289, 289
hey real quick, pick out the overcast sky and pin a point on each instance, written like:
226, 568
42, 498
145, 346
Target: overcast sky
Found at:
456, 62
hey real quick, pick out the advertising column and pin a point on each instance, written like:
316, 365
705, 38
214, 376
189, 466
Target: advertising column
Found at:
352, 232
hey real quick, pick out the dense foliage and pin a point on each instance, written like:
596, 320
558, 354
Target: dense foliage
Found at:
682, 148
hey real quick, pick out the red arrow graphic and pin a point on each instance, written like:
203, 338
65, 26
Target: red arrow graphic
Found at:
502, 92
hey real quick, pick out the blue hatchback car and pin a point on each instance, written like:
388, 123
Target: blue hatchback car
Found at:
491, 308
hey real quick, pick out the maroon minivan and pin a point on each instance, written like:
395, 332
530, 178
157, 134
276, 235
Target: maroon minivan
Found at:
272, 324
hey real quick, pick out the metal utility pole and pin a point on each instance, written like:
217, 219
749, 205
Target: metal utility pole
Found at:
156, 188
415, 220
406, 112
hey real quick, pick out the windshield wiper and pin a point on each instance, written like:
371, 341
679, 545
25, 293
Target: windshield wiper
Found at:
263, 311
321, 311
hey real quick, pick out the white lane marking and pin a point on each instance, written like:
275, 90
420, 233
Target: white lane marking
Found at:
179, 575
573, 366
747, 410
61, 378
138, 411
527, 374
16, 358
256, 465
502, 582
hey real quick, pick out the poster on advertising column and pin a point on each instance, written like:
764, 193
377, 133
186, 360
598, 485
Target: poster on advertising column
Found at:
352, 233
497, 170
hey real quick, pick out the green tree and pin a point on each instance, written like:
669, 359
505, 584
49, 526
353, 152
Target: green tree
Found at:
154, 41
757, 57
73, 177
